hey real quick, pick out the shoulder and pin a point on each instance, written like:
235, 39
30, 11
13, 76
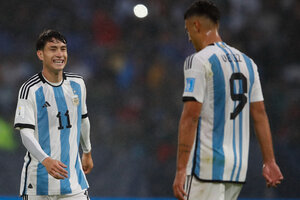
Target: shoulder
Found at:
73, 77
198, 60
28, 84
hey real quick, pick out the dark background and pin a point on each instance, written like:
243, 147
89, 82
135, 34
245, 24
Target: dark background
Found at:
133, 69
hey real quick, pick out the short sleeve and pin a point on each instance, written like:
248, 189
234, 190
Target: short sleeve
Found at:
256, 93
83, 105
195, 80
25, 113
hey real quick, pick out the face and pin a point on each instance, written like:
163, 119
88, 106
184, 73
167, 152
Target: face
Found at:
191, 32
54, 55
195, 30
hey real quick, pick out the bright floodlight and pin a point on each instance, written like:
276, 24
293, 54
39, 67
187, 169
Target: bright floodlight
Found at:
140, 11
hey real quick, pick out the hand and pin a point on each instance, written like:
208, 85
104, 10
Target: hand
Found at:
55, 168
87, 162
178, 185
272, 174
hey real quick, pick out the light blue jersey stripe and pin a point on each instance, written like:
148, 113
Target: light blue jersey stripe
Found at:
251, 75
233, 137
219, 118
197, 150
44, 141
77, 91
64, 137
240, 120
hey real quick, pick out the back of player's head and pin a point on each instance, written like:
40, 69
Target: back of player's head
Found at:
47, 36
203, 8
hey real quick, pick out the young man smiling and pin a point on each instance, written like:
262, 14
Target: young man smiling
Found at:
52, 118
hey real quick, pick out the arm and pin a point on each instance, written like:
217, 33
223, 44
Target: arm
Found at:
271, 171
186, 136
54, 167
87, 161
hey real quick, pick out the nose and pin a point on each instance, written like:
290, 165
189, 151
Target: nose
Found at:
59, 53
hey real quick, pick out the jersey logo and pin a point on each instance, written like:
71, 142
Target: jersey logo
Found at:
190, 83
46, 104
30, 186
75, 100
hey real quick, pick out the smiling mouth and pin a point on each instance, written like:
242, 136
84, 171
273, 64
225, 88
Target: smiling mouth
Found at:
58, 61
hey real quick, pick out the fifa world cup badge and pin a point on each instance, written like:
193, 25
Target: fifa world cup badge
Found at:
75, 100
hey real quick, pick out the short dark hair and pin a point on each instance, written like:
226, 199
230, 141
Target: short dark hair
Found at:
46, 36
203, 8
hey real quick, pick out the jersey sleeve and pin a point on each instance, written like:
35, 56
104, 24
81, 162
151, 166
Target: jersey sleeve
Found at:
83, 105
25, 113
256, 93
195, 80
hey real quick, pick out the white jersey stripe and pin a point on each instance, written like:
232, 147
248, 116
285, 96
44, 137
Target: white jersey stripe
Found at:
251, 74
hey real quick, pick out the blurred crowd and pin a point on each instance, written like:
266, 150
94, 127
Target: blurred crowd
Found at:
133, 69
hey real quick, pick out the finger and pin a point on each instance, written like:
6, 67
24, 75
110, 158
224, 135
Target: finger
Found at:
86, 170
267, 177
57, 175
180, 193
62, 164
278, 182
62, 171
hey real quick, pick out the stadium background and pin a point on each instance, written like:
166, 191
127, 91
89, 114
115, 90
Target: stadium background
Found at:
133, 70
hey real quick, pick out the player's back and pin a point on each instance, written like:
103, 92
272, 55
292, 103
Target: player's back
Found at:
222, 79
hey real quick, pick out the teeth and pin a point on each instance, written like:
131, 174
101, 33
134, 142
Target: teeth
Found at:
58, 61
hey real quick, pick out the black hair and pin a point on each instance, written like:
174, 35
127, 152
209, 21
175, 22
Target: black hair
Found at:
203, 8
46, 36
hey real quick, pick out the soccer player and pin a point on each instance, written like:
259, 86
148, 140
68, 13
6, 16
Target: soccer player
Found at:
222, 88
52, 118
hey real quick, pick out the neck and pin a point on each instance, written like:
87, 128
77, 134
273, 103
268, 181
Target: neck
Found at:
211, 36
54, 77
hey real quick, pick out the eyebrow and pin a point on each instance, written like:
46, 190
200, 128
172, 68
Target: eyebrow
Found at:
55, 46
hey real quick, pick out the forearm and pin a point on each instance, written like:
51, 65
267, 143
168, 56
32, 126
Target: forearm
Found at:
263, 133
32, 145
186, 137
85, 135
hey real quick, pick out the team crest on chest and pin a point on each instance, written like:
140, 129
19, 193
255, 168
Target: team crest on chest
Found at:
75, 100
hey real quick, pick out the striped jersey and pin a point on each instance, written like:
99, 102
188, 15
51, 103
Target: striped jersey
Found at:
225, 81
55, 113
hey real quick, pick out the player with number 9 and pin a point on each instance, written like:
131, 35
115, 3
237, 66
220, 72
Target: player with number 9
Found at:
222, 89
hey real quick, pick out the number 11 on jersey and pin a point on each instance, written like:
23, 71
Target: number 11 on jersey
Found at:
59, 120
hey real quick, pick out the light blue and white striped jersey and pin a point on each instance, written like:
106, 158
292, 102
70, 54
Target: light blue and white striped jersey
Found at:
55, 114
225, 81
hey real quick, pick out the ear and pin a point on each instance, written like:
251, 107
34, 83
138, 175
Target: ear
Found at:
197, 26
40, 55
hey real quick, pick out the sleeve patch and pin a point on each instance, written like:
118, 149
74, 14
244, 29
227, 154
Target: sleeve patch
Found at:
21, 112
190, 83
